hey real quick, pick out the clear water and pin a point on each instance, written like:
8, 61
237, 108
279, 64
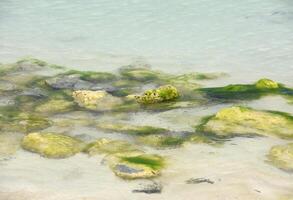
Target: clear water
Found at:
248, 39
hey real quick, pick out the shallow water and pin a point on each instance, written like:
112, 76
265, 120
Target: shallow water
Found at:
248, 40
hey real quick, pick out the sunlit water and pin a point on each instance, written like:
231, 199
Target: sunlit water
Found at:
248, 39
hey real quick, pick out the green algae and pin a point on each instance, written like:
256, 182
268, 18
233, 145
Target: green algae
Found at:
161, 94
281, 156
136, 165
245, 91
55, 106
244, 121
52, 145
142, 74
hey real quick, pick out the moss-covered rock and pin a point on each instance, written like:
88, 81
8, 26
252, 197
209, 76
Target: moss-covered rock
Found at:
161, 94
96, 100
161, 141
281, 156
52, 145
266, 84
237, 120
108, 146
136, 165
11, 119
55, 106
129, 129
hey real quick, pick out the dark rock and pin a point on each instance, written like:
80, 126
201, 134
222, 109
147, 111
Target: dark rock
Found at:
153, 188
199, 180
127, 169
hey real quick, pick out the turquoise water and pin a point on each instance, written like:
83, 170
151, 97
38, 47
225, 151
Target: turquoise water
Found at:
249, 37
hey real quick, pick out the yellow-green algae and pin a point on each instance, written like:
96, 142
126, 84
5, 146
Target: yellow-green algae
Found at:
281, 156
136, 165
52, 145
109, 146
161, 94
238, 120
129, 128
91, 76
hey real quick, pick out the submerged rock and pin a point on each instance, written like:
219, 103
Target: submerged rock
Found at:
108, 146
11, 119
245, 91
140, 73
93, 77
55, 106
52, 145
129, 128
237, 121
161, 94
152, 188
96, 100
136, 165
199, 180
281, 156
161, 140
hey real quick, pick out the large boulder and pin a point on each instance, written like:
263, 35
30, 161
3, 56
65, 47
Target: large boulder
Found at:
52, 145
282, 156
237, 121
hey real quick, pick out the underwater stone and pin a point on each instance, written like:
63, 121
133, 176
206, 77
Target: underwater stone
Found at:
281, 156
108, 146
140, 73
152, 188
55, 106
96, 100
161, 140
136, 165
161, 94
237, 121
93, 77
129, 128
52, 145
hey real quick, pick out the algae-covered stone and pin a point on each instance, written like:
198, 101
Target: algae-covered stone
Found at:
239, 120
281, 156
96, 100
266, 84
130, 129
245, 91
161, 94
55, 106
94, 77
161, 141
52, 145
136, 165
108, 146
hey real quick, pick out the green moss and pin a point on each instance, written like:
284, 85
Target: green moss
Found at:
142, 74
161, 94
136, 165
152, 161
130, 129
281, 156
52, 145
244, 121
245, 91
